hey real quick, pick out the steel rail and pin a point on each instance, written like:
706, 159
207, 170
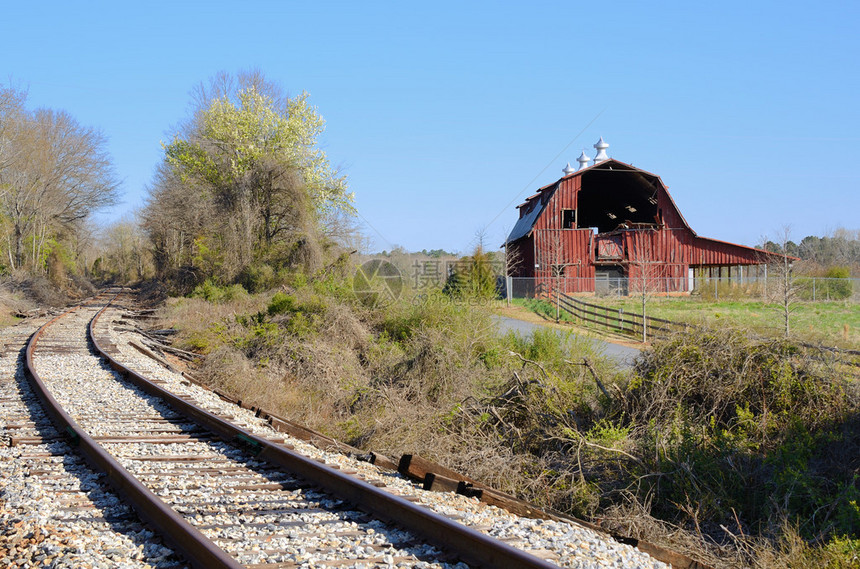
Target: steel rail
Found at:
467, 544
197, 548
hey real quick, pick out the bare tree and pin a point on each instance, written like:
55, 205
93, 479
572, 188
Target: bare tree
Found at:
647, 279
126, 255
56, 176
11, 114
174, 218
552, 259
782, 266
847, 246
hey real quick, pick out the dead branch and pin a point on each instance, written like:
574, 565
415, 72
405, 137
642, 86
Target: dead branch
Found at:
590, 368
528, 361
601, 447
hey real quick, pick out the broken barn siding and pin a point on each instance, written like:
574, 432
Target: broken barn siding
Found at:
564, 254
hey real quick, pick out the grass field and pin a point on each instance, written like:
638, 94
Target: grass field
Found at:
835, 323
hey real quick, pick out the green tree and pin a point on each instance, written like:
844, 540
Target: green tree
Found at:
244, 182
473, 277
237, 137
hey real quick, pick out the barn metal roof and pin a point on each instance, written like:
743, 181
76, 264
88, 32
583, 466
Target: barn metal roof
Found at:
524, 224
763, 253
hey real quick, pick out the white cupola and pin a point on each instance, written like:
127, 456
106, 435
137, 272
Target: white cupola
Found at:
601, 147
568, 170
583, 160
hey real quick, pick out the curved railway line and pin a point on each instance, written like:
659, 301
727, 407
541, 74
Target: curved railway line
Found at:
175, 477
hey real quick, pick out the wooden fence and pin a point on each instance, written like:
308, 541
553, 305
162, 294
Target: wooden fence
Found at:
632, 323
617, 320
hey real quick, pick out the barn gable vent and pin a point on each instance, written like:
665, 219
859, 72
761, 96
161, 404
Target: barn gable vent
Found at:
601, 147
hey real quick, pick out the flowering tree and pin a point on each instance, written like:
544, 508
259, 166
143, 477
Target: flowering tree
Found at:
244, 181
236, 136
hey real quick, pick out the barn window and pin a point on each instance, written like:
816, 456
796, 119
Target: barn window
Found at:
568, 219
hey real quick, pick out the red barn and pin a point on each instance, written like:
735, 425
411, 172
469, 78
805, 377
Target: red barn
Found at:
613, 221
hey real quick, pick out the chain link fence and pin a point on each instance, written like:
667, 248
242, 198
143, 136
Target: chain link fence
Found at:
771, 289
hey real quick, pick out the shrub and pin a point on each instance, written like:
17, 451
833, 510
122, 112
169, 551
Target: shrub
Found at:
300, 325
473, 276
209, 290
839, 284
713, 429
257, 278
745, 428
835, 285
212, 292
233, 292
281, 303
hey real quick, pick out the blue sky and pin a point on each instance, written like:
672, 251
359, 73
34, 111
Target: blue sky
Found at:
446, 114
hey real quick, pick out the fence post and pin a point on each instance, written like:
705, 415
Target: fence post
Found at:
621, 319
716, 292
813, 289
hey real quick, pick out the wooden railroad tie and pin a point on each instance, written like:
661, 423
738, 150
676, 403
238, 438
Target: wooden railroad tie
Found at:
437, 478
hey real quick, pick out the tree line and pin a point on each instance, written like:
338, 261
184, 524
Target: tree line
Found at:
243, 194
839, 249
54, 173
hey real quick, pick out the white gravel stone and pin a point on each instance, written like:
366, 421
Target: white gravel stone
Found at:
36, 527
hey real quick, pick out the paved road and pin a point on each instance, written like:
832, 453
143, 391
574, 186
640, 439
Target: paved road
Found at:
621, 354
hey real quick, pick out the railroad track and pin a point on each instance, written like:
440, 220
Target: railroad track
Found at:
221, 489
55, 511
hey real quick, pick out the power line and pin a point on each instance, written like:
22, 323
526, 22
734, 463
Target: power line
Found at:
550, 163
